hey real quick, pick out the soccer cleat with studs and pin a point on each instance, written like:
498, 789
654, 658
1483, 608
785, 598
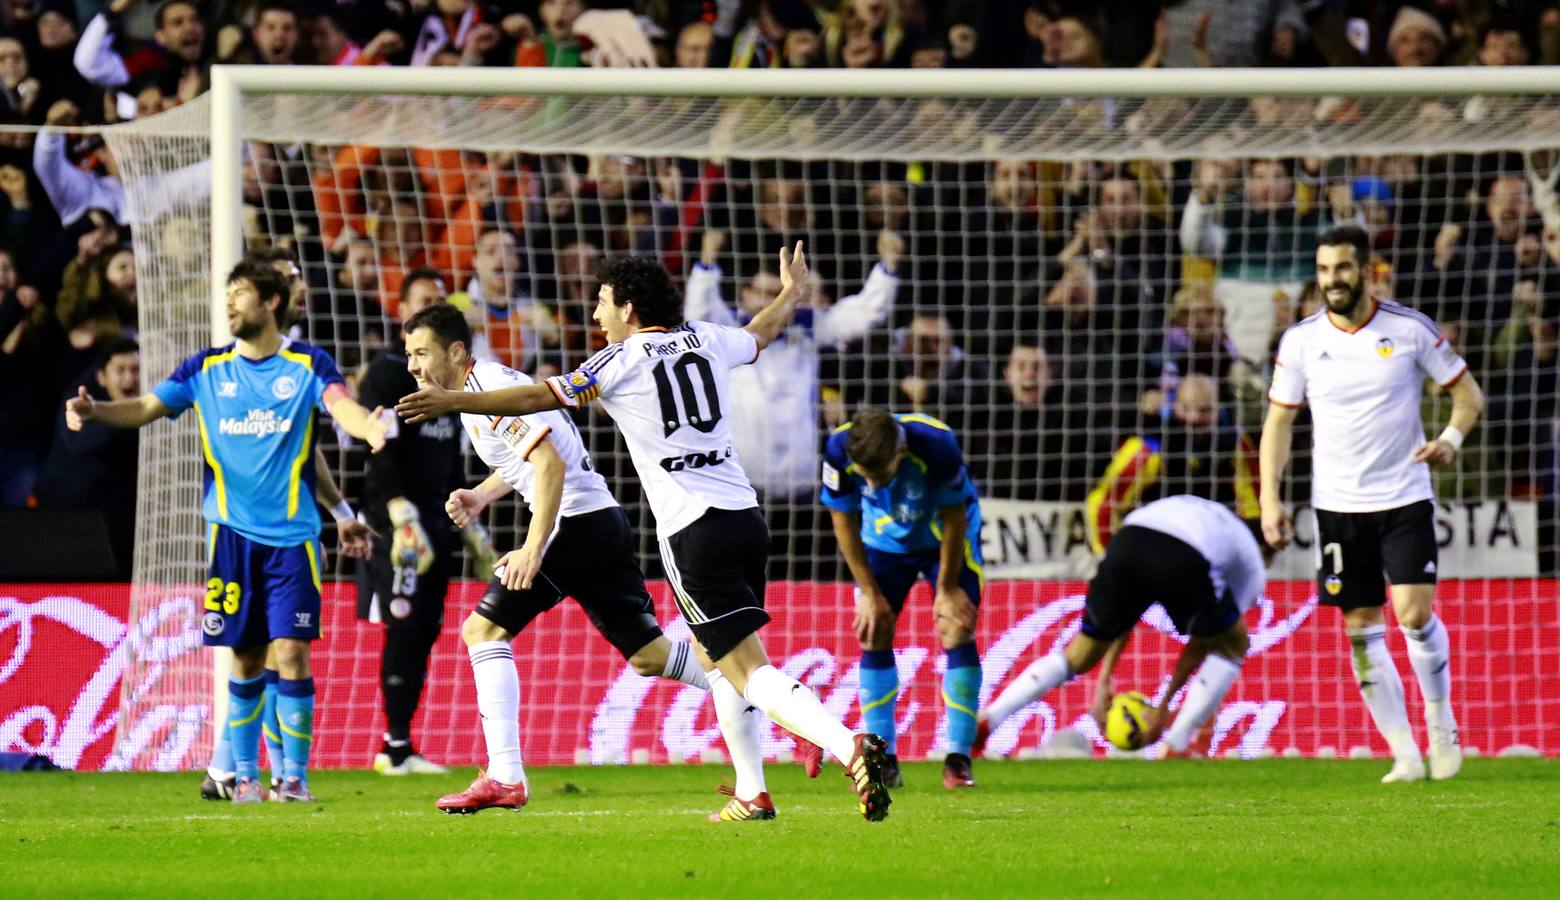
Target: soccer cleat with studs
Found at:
248, 790
810, 755
213, 788
865, 771
411, 764
760, 808
1407, 768
485, 793
294, 790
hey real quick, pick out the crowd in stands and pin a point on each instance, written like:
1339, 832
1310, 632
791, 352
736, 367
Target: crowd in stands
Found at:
1097, 332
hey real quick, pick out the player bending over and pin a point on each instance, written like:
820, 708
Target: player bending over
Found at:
1199, 562
1361, 364
904, 506
665, 383
254, 401
579, 544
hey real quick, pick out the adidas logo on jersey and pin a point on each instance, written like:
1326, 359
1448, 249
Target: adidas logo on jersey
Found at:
1430, 567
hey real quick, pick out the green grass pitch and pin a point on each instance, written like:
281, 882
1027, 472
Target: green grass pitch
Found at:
1101, 828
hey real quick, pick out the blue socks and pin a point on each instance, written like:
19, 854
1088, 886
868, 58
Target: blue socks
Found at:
295, 714
961, 694
245, 697
271, 730
879, 690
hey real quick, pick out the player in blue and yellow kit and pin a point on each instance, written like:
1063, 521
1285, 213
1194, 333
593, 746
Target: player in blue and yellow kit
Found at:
255, 401
904, 506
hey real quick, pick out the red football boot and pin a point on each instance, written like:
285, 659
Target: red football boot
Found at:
735, 810
810, 755
982, 735
485, 793
865, 771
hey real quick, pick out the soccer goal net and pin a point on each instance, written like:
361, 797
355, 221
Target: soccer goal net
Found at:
1083, 274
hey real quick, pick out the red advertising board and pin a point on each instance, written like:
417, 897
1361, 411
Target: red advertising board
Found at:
64, 651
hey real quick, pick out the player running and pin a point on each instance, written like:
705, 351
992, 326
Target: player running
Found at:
579, 544
904, 506
254, 400
1361, 364
1199, 562
664, 382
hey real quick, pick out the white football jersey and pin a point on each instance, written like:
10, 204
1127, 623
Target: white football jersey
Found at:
1364, 389
1233, 554
669, 391
505, 444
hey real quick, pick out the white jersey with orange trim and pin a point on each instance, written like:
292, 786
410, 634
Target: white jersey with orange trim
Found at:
1364, 388
669, 391
505, 444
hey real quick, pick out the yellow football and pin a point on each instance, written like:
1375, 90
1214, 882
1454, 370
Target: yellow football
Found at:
1126, 723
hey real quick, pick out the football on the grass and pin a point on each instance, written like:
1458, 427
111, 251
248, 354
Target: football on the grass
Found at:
1126, 723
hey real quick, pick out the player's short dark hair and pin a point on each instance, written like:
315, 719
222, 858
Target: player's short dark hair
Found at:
873, 438
162, 11
447, 323
1348, 234
117, 346
644, 282
422, 273
267, 281
281, 6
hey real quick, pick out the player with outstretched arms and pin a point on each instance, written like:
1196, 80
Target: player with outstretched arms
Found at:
254, 401
1205, 567
903, 506
664, 382
579, 544
1360, 364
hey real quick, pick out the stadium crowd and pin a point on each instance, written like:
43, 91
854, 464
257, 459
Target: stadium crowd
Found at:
1097, 331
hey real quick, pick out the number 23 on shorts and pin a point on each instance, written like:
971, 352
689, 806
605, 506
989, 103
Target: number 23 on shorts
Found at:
223, 597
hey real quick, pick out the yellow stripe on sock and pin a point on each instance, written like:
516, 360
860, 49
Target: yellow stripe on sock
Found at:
269, 734
234, 723
295, 733
958, 706
876, 703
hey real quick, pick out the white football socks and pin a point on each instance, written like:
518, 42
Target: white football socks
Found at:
739, 725
498, 700
1382, 688
1044, 674
1207, 690
681, 666
794, 707
1430, 652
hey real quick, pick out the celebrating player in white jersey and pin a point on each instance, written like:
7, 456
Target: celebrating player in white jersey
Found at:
1203, 565
579, 544
665, 383
1361, 364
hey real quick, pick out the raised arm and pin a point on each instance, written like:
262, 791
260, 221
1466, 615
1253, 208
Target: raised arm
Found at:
134, 413
853, 316
1277, 436
772, 319
95, 58
520, 400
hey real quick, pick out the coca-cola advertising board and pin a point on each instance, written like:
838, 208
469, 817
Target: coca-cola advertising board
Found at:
65, 650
